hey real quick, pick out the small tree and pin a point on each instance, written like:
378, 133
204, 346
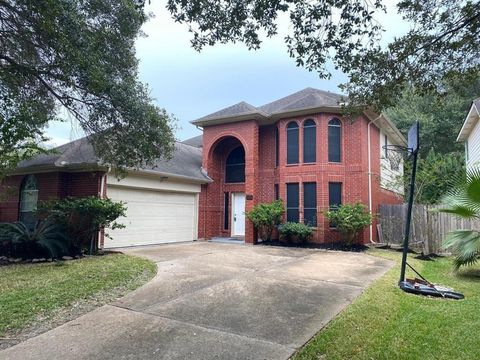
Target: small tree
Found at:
349, 219
265, 217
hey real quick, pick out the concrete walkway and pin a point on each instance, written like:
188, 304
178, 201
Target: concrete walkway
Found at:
215, 301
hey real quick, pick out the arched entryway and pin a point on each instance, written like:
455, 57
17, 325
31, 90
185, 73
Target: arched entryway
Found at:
226, 195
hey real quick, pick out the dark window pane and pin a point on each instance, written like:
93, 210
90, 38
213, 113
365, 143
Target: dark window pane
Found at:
310, 217
292, 195
309, 141
310, 204
292, 202
334, 194
277, 146
225, 211
277, 194
235, 166
335, 198
235, 174
292, 143
292, 215
334, 140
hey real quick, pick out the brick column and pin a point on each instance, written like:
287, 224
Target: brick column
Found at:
251, 179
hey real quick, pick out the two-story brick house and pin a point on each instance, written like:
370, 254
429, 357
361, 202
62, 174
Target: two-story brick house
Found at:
299, 149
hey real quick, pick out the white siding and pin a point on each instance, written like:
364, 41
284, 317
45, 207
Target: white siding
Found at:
389, 179
473, 146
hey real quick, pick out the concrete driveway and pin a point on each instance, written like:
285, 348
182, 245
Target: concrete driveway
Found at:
215, 301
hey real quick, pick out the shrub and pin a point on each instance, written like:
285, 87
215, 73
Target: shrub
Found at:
84, 217
45, 237
265, 217
349, 219
296, 233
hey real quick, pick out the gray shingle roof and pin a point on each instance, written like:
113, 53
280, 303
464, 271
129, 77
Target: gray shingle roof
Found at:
306, 98
196, 141
186, 161
242, 108
303, 99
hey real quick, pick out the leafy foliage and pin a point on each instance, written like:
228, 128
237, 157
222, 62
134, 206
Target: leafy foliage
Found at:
45, 235
293, 232
84, 217
440, 116
464, 201
443, 39
77, 57
436, 174
265, 217
350, 219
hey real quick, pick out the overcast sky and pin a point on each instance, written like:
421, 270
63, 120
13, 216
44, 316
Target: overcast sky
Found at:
191, 84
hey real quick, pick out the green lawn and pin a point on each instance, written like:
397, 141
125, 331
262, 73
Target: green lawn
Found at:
386, 323
30, 291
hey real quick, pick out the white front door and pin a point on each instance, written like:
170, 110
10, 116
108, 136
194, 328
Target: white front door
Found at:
238, 214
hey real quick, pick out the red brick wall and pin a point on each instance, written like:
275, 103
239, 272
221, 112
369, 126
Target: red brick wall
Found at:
51, 185
262, 174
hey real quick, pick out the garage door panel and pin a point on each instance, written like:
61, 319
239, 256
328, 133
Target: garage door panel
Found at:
153, 217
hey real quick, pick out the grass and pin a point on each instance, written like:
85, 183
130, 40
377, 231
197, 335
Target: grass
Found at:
32, 291
386, 323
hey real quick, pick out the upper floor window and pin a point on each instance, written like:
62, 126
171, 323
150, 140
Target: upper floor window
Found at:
292, 143
235, 166
28, 201
309, 141
334, 140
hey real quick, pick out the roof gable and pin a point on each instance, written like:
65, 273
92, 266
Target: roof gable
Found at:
470, 121
303, 99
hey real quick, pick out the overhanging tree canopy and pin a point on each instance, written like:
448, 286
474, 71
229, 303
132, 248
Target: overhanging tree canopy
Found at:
78, 56
443, 39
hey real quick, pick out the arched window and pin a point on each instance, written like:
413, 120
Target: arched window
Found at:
235, 166
292, 143
309, 141
28, 201
334, 140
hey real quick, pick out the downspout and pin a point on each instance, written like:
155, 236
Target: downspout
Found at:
370, 201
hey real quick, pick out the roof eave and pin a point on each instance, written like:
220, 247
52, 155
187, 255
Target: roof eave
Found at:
306, 111
35, 169
230, 119
206, 180
396, 135
468, 124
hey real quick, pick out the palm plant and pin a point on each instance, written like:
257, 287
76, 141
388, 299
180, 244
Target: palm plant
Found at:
45, 235
464, 201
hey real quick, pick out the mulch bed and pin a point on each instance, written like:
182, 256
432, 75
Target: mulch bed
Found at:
328, 246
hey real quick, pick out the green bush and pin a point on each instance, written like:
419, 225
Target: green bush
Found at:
265, 217
83, 218
349, 219
45, 239
295, 233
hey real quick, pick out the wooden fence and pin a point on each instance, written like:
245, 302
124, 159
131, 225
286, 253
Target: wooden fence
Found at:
429, 227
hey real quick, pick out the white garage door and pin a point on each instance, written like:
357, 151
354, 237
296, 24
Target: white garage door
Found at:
153, 217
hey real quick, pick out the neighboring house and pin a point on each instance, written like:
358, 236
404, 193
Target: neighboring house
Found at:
162, 201
299, 149
470, 136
